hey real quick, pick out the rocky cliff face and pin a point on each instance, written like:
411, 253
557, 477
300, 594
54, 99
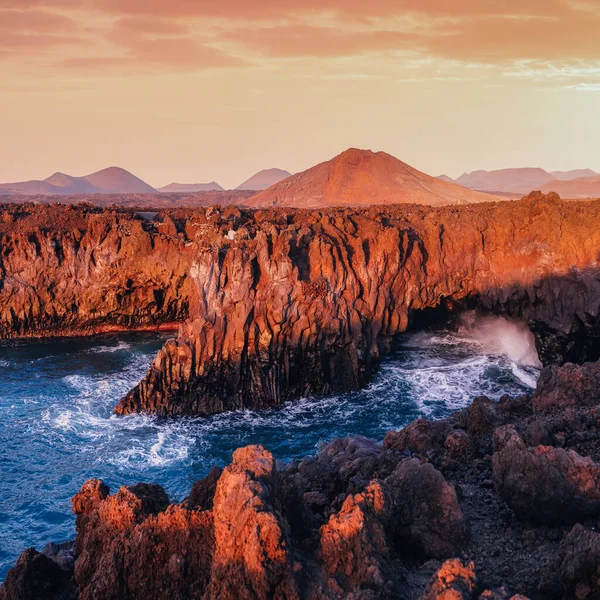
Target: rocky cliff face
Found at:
66, 271
294, 303
497, 502
279, 304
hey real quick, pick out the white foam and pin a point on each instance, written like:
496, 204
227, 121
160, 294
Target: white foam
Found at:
104, 349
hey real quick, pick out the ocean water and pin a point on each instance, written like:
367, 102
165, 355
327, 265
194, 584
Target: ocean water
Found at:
57, 429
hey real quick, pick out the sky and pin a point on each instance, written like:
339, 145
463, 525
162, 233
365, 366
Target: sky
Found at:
202, 90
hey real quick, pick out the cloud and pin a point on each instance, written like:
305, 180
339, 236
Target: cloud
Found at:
150, 25
35, 20
199, 34
305, 40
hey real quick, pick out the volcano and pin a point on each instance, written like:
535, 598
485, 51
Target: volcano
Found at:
360, 178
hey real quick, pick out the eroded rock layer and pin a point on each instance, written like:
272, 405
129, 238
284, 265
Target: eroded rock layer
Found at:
280, 304
290, 304
497, 502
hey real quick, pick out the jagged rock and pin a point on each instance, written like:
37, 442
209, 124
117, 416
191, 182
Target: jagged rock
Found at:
423, 437
569, 385
37, 577
544, 484
354, 544
252, 555
135, 545
347, 281
63, 554
454, 580
580, 563
343, 466
425, 515
203, 491
481, 417
459, 447
311, 300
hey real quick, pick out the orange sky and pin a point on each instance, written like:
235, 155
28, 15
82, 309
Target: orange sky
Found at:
196, 90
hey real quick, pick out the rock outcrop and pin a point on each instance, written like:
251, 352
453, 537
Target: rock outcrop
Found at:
568, 386
280, 304
307, 303
545, 484
71, 271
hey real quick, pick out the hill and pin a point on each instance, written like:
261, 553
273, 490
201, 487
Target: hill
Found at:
213, 186
361, 177
113, 180
575, 174
583, 187
517, 181
263, 179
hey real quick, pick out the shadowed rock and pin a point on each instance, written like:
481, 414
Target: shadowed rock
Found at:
425, 514
545, 484
569, 385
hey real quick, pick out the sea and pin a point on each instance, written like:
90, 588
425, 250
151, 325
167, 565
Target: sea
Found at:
57, 428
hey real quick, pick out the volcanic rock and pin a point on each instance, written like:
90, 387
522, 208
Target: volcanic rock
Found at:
281, 304
452, 581
251, 558
354, 543
580, 563
36, 577
569, 385
425, 514
545, 484
310, 302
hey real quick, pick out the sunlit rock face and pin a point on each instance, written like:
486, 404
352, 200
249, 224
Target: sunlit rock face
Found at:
301, 303
279, 304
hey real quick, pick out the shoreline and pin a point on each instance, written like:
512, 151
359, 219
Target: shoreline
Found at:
471, 489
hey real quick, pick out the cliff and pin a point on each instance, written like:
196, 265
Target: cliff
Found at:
67, 270
295, 303
497, 502
279, 304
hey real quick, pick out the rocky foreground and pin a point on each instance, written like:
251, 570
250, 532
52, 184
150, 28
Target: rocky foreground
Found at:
499, 501
279, 304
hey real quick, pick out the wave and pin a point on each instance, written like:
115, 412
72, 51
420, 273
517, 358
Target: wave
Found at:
121, 345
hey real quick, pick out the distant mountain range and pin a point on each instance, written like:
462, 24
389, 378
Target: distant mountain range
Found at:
519, 181
113, 180
357, 177
264, 179
362, 177
582, 187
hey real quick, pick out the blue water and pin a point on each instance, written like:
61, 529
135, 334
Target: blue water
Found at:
57, 430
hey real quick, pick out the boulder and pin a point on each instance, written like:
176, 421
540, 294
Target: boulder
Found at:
426, 518
544, 484
569, 385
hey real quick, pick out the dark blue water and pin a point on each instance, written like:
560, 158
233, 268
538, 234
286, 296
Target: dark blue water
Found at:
57, 430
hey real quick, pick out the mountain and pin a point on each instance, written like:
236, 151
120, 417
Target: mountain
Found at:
263, 179
575, 174
362, 177
583, 187
113, 180
518, 181
213, 186
446, 178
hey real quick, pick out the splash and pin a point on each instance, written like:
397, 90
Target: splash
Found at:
500, 336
